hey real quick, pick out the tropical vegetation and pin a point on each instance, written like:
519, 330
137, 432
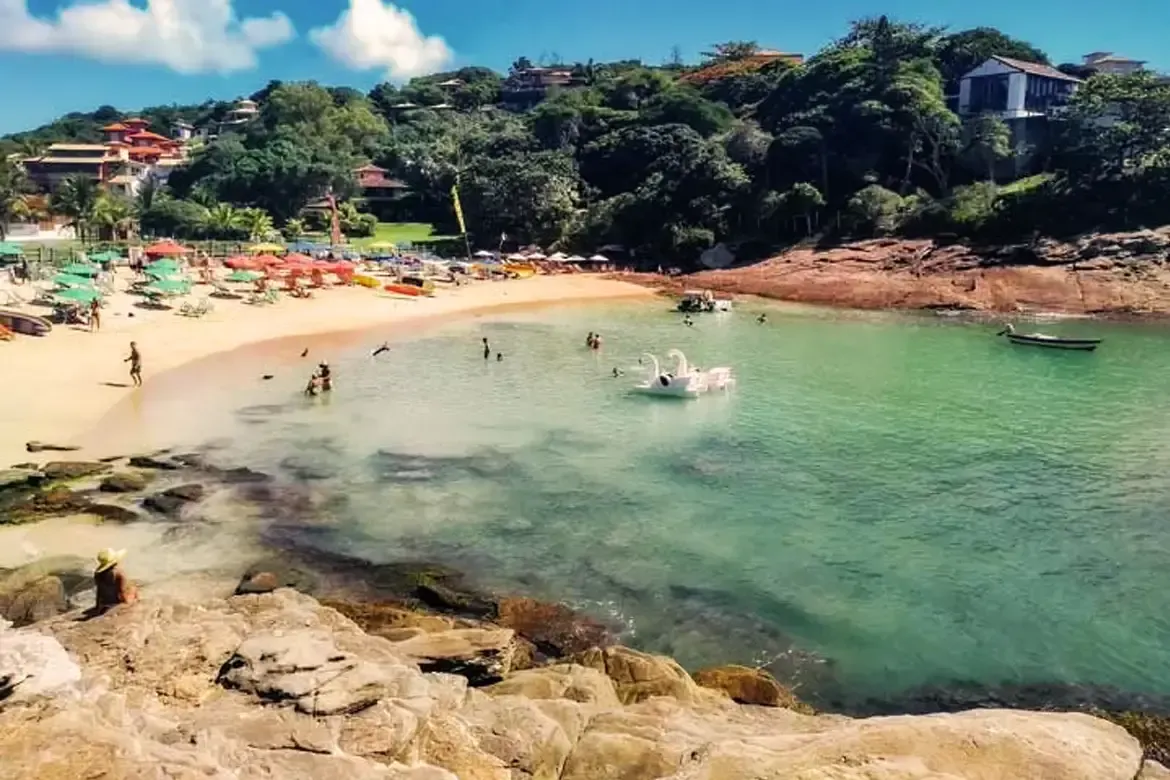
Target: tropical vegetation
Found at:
860, 139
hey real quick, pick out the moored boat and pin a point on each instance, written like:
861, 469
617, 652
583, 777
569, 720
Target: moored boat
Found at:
27, 324
1050, 342
695, 302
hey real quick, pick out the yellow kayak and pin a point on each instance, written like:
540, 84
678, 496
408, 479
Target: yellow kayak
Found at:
365, 281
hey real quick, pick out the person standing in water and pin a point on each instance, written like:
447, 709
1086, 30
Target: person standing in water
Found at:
135, 361
763, 318
589, 340
487, 349
596, 341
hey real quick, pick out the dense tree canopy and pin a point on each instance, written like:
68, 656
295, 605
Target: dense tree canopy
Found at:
860, 138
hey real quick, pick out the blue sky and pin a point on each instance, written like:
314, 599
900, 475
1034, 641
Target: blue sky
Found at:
63, 55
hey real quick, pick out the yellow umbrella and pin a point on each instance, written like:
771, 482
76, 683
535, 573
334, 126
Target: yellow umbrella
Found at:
266, 249
383, 245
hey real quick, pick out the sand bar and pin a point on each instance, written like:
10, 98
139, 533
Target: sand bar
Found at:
58, 387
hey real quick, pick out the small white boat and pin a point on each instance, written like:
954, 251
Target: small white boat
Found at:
699, 301
685, 381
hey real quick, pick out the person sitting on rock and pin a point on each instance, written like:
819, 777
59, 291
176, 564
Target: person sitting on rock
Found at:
112, 584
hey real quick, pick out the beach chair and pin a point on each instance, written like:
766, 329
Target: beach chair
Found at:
271, 296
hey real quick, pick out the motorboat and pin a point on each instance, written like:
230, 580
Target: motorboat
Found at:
699, 301
685, 381
1051, 342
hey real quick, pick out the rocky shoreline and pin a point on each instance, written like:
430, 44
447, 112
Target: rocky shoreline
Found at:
1114, 275
513, 687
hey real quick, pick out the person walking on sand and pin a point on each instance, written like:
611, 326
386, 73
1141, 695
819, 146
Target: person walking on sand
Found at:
111, 583
95, 315
487, 349
135, 361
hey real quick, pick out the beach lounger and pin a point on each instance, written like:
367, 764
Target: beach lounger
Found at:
198, 309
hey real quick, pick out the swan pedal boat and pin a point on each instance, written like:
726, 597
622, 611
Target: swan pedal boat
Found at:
685, 381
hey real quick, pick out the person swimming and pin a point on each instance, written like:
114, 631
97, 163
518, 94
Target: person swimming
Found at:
616, 372
589, 340
384, 348
762, 318
499, 357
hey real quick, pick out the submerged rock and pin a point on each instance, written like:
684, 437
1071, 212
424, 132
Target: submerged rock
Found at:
36, 446
123, 482
73, 469
152, 462
172, 500
272, 573
556, 629
19, 478
113, 513
444, 597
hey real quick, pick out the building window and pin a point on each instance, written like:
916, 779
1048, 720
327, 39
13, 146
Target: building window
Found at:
988, 93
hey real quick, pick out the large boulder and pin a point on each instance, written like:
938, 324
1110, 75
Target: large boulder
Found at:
482, 655
556, 629
123, 482
307, 669
172, 500
32, 666
516, 731
391, 621
746, 685
640, 676
152, 462
562, 681
73, 469
11, 479
43, 589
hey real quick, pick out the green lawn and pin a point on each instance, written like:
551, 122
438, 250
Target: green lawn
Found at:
400, 232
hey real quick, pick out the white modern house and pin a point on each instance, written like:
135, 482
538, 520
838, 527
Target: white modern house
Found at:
1014, 89
1108, 63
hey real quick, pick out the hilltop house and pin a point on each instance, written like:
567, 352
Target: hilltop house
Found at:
378, 194
1014, 89
244, 112
129, 155
1108, 63
525, 87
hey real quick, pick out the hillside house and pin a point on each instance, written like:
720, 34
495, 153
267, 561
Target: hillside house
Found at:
528, 86
1108, 63
1025, 95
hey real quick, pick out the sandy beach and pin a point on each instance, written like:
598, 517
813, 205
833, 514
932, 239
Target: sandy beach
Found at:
60, 386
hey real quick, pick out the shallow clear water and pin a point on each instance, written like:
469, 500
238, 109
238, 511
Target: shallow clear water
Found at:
907, 497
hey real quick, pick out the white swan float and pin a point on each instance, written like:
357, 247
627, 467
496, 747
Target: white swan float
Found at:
685, 381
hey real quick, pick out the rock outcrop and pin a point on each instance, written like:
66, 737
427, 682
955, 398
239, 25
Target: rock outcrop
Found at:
1121, 273
749, 686
277, 685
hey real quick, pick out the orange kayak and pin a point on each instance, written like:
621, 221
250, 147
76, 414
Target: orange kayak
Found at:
405, 289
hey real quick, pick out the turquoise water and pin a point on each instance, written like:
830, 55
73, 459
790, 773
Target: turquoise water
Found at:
884, 502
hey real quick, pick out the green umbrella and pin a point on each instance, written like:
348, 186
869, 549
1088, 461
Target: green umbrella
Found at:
168, 287
105, 257
71, 280
78, 295
166, 264
80, 269
163, 274
243, 276
10, 250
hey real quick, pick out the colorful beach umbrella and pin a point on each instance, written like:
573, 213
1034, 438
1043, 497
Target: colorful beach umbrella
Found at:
267, 260
81, 269
72, 280
243, 262
78, 295
166, 249
10, 250
164, 264
168, 287
265, 249
243, 276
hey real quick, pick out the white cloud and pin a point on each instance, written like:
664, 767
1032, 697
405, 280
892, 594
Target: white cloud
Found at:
373, 34
189, 36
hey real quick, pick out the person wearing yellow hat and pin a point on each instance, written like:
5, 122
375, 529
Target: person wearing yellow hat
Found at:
112, 585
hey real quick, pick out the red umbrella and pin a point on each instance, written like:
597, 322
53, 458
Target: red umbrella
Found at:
296, 258
243, 263
265, 260
166, 249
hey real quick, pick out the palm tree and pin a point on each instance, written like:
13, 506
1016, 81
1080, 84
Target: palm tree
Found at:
257, 222
14, 204
293, 229
75, 199
222, 220
148, 192
113, 217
